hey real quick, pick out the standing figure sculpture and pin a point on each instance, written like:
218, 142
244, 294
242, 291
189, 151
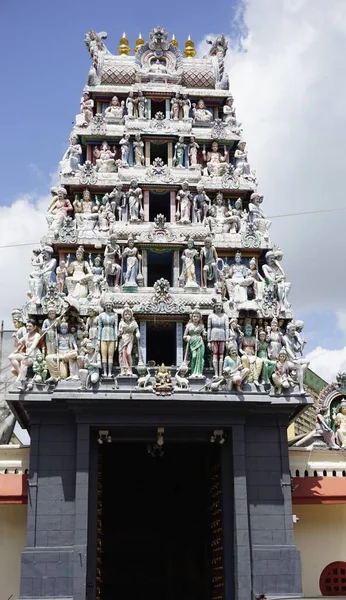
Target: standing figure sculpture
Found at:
90, 365
134, 201
274, 339
183, 211
111, 263
194, 336
276, 278
43, 275
340, 425
188, 257
24, 354
18, 335
107, 333
175, 106
138, 148
127, 332
63, 362
201, 203
141, 102
85, 211
268, 366
117, 200
125, 149
133, 258
130, 105
60, 208
186, 104
294, 349
69, 164
281, 376
248, 350
179, 153
208, 258
86, 110
241, 162
193, 152
80, 275
218, 334
50, 326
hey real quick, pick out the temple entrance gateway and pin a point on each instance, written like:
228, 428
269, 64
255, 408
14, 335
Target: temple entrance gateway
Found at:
157, 521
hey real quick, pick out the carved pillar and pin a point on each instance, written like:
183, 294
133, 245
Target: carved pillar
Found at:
176, 267
147, 154
143, 340
172, 206
168, 108
170, 154
149, 108
179, 343
216, 113
146, 205
145, 267
89, 154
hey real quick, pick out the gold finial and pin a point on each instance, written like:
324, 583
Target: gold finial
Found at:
124, 47
189, 50
174, 41
139, 42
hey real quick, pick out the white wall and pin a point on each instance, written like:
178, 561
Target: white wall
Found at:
12, 542
320, 535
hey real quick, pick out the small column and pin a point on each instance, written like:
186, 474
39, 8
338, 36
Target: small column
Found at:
147, 154
168, 108
176, 267
146, 205
99, 107
145, 267
143, 340
149, 108
179, 343
170, 154
89, 154
172, 207
216, 113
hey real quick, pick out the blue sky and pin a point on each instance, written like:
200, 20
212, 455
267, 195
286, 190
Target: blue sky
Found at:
282, 83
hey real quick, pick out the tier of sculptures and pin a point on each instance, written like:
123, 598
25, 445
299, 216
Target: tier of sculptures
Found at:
99, 214
135, 106
68, 346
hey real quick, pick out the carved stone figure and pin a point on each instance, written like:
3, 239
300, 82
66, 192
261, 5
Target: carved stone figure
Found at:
40, 369
89, 371
193, 152
293, 348
237, 280
43, 274
201, 203
111, 262
86, 110
241, 162
141, 103
134, 201
209, 258
80, 275
186, 105
274, 339
179, 153
60, 208
256, 279
104, 159
117, 199
133, 260
188, 257
217, 53
175, 106
144, 377
275, 276
340, 424
216, 162
127, 332
24, 355
85, 211
20, 331
183, 211
220, 219
63, 363
218, 334
107, 326
69, 164
50, 328
181, 380
98, 275
200, 112
91, 327
125, 149
138, 148
234, 371
281, 376
248, 351
61, 274
268, 366
194, 336
115, 110
130, 105
256, 216
163, 379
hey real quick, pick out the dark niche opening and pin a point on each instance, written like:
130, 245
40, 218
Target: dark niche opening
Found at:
160, 264
159, 150
159, 204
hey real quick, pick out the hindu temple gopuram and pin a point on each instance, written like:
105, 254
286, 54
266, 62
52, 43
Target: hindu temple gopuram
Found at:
157, 357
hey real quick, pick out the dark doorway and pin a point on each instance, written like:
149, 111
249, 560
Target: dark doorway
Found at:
156, 522
161, 342
160, 264
159, 204
159, 150
158, 105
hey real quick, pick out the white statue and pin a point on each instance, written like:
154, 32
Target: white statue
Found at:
130, 105
86, 110
115, 110
340, 425
111, 262
60, 208
117, 200
90, 366
220, 219
24, 355
188, 257
128, 331
256, 216
186, 104
175, 106
183, 211
276, 277
125, 149
201, 203
134, 201
181, 380
294, 349
234, 372
241, 162
42, 275
104, 158
138, 148
200, 112
215, 160
193, 152
230, 115
85, 211
141, 102
98, 274
80, 275
133, 260
238, 281
69, 164
208, 258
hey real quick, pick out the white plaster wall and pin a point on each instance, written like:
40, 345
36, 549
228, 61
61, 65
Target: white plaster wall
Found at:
12, 542
320, 535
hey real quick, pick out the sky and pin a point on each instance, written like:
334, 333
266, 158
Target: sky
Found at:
287, 74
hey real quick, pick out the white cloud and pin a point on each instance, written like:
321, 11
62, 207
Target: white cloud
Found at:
327, 363
290, 95
22, 222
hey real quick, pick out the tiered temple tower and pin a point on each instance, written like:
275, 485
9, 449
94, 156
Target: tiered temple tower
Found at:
158, 318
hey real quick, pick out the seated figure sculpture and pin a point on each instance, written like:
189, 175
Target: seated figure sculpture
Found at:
85, 211
248, 351
69, 164
234, 372
80, 276
216, 161
104, 158
200, 113
63, 363
115, 110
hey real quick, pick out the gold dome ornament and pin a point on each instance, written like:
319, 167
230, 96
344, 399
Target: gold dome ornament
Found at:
189, 50
124, 47
174, 41
139, 42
